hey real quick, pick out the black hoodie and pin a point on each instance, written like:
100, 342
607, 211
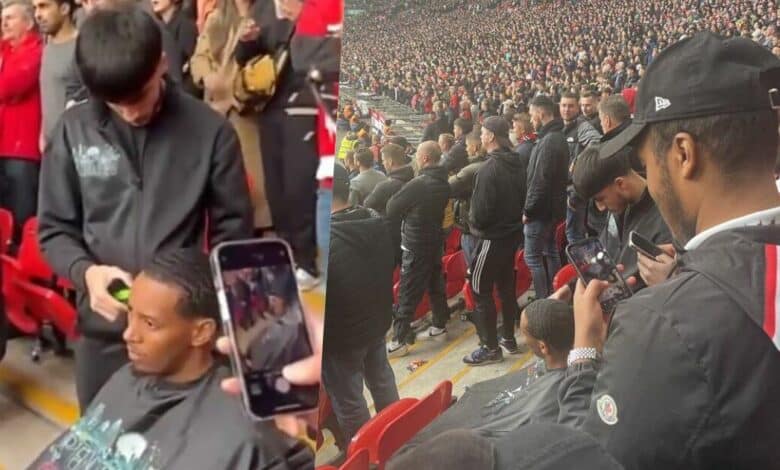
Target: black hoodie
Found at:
548, 173
420, 205
384, 190
499, 196
360, 280
690, 377
117, 195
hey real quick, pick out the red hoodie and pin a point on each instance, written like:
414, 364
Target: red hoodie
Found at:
20, 98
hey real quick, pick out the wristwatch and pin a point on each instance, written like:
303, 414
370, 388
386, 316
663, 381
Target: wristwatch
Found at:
579, 354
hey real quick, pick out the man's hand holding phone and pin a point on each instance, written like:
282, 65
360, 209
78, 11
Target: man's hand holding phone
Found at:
98, 278
590, 322
657, 270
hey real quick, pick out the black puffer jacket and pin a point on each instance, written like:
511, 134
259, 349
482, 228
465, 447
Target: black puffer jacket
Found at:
420, 207
383, 191
499, 196
360, 280
548, 172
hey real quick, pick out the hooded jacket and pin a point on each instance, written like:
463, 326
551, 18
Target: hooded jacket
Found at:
383, 191
499, 196
105, 201
690, 377
420, 205
548, 173
360, 280
171, 426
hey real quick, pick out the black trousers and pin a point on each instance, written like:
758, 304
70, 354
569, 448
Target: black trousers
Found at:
493, 265
19, 191
96, 361
290, 161
420, 272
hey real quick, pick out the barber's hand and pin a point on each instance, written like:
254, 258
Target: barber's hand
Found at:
590, 323
97, 279
655, 271
250, 31
563, 294
303, 372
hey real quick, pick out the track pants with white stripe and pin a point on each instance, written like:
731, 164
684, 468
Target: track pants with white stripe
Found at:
420, 272
493, 265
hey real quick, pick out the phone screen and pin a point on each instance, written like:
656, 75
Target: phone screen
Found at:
260, 303
592, 261
642, 244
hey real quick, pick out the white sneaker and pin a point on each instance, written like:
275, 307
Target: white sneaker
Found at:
438, 334
306, 281
396, 349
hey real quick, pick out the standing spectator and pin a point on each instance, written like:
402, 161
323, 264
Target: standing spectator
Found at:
398, 174
360, 309
419, 206
214, 69
436, 127
545, 205
21, 49
184, 32
526, 137
101, 217
58, 70
461, 189
458, 157
589, 106
287, 139
495, 218
364, 183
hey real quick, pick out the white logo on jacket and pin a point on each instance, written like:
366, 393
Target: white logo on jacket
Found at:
607, 409
96, 161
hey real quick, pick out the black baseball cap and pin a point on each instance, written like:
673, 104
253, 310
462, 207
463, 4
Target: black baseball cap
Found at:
500, 128
703, 75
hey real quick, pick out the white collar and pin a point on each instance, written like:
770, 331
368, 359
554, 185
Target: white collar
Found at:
765, 217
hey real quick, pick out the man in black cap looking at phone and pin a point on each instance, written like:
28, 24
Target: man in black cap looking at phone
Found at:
690, 372
496, 219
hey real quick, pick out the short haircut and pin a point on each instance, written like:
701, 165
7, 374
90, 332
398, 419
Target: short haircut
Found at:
545, 103
117, 52
588, 94
364, 157
569, 95
551, 321
71, 5
349, 156
187, 269
616, 107
26, 5
394, 153
739, 144
464, 125
448, 138
432, 149
592, 174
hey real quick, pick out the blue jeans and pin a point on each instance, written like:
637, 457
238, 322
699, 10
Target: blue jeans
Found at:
468, 243
575, 218
541, 255
324, 198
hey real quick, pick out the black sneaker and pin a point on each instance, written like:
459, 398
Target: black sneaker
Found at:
509, 345
483, 356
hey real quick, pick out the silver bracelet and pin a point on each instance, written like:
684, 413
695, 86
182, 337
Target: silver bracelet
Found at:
579, 354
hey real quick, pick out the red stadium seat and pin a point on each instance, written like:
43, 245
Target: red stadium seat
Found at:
47, 306
523, 279
444, 392
359, 461
454, 273
560, 236
452, 244
404, 427
564, 276
470, 301
367, 436
30, 257
6, 230
422, 308
15, 302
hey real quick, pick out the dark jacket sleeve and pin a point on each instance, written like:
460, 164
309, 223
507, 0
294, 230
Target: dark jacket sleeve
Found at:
484, 199
188, 37
229, 205
458, 158
462, 183
539, 184
60, 219
403, 200
378, 198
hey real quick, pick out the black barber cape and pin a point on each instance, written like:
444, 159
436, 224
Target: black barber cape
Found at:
496, 407
139, 423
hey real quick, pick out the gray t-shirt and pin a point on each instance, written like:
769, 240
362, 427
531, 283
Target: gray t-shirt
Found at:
58, 72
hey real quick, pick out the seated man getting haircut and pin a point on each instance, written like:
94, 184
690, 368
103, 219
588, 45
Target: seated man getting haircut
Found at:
164, 409
496, 407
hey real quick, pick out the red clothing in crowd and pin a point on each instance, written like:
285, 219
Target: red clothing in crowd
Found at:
20, 98
629, 94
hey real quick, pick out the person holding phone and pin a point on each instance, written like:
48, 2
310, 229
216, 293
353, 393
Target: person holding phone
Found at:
163, 408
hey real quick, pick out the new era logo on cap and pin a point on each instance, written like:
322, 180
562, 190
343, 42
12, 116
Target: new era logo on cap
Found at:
661, 103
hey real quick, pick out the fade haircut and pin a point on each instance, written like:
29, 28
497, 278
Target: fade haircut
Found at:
545, 103
616, 108
592, 174
551, 321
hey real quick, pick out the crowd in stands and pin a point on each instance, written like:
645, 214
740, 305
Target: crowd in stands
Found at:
624, 117
127, 149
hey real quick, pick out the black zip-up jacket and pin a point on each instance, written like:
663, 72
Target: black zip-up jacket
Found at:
419, 206
383, 191
101, 202
499, 196
457, 157
461, 187
689, 378
291, 88
360, 280
548, 173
